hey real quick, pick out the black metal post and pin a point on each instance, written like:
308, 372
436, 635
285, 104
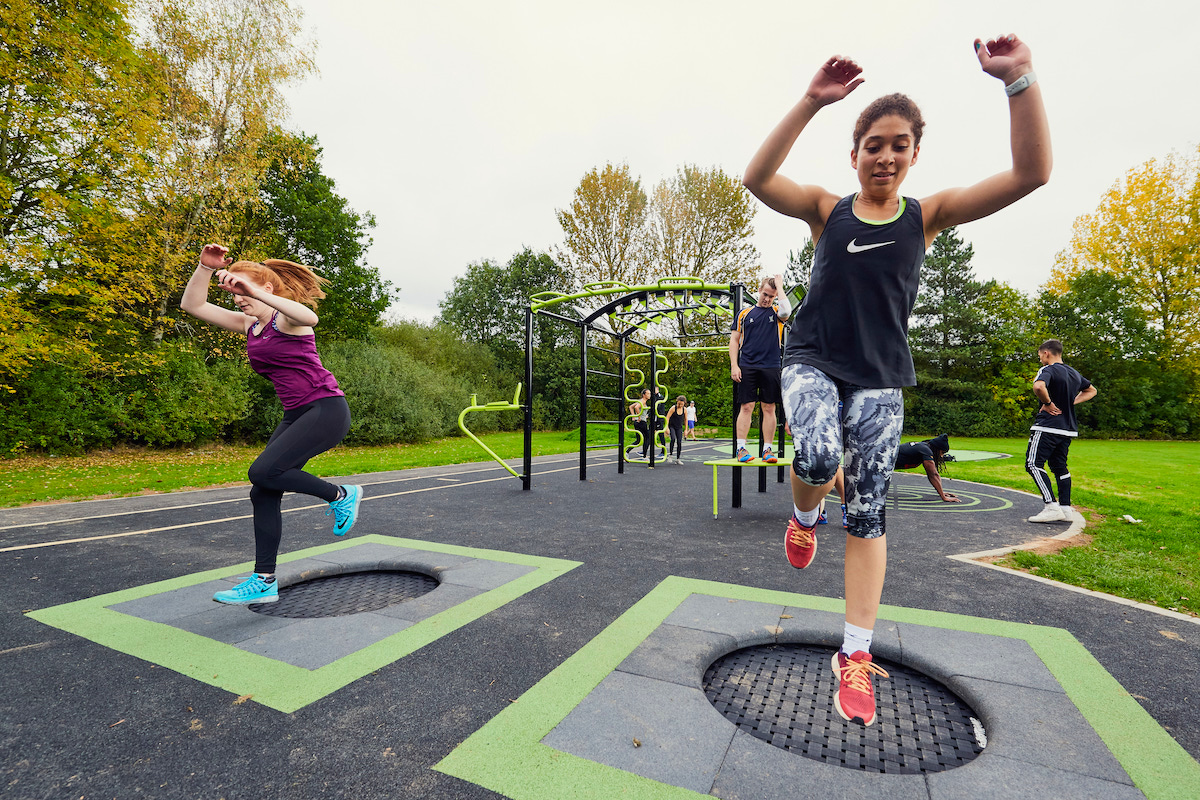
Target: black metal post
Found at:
621, 415
528, 474
762, 442
583, 401
652, 417
735, 293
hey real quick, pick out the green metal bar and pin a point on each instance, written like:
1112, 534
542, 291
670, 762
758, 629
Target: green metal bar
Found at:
605, 288
498, 405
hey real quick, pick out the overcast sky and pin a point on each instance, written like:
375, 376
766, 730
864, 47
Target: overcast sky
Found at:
462, 126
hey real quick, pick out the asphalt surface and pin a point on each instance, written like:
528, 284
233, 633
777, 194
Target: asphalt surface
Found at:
78, 719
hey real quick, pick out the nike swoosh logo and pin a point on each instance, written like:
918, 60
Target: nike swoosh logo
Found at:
859, 248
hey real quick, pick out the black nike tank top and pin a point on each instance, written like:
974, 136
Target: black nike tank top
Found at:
853, 323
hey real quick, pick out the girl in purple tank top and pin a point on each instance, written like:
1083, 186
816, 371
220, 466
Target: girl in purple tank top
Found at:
277, 302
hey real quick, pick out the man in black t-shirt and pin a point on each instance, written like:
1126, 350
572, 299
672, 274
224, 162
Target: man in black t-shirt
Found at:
1059, 388
755, 363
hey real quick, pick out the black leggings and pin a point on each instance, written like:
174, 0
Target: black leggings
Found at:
676, 440
304, 432
643, 428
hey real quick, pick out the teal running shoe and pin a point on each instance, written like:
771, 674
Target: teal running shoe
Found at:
252, 590
345, 511
744, 455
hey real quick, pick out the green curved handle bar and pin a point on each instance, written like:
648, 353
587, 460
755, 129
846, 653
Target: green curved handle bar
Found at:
497, 405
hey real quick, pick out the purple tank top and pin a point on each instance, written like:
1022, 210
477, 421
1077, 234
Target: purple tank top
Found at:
291, 363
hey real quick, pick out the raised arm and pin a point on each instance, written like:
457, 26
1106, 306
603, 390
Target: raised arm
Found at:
836, 78
297, 316
195, 294
1009, 60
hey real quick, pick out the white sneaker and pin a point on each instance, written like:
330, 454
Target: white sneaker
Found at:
1049, 514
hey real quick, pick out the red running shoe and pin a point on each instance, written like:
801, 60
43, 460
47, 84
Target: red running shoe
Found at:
800, 543
855, 696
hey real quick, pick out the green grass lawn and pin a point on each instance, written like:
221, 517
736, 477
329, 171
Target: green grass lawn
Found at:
1155, 561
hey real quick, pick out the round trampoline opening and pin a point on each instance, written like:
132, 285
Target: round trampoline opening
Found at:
783, 695
347, 593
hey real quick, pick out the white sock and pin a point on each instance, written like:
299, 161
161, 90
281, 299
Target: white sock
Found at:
1053, 504
856, 639
807, 518
741, 442
1067, 509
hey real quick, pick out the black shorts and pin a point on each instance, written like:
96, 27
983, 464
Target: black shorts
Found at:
759, 383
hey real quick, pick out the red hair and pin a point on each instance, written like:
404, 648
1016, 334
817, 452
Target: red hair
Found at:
287, 278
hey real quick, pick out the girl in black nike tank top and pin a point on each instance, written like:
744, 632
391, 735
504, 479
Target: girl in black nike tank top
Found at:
848, 340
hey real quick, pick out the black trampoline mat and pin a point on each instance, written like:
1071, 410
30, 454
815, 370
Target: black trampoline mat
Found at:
783, 695
347, 593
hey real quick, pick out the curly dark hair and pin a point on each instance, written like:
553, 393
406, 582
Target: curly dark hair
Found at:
940, 445
899, 105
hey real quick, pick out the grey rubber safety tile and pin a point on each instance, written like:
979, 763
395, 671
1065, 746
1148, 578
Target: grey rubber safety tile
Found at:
1019, 780
229, 624
1038, 727
445, 596
174, 605
482, 574
313, 643
369, 554
750, 622
755, 770
948, 653
678, 655
655, 729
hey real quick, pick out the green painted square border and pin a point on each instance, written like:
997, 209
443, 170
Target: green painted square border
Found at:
272, 683
506, 754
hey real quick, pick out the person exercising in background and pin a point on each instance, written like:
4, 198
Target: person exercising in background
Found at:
1059, 388
755, 363
931, 454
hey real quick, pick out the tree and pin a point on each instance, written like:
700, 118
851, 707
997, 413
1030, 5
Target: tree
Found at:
947, 334
222, 63
76, 118
1107, 337
74, 121
1145, 230
303, 219
700, 225
488, 304
604, 228
1008, 362
798, 271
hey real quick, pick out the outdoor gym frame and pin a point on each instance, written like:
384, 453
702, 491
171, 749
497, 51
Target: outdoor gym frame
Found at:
620, 311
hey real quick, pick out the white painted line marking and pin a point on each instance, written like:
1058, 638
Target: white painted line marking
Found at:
218, 502
505, 477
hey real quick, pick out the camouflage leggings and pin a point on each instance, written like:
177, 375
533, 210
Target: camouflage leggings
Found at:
823, 413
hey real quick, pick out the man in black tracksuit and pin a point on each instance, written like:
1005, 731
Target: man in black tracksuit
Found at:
1059, 388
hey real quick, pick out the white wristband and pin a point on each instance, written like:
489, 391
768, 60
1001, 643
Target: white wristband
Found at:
1021, 84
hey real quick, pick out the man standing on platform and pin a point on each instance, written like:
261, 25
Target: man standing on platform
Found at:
755, 363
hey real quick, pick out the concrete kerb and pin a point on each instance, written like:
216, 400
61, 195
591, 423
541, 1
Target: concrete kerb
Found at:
1078, 524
